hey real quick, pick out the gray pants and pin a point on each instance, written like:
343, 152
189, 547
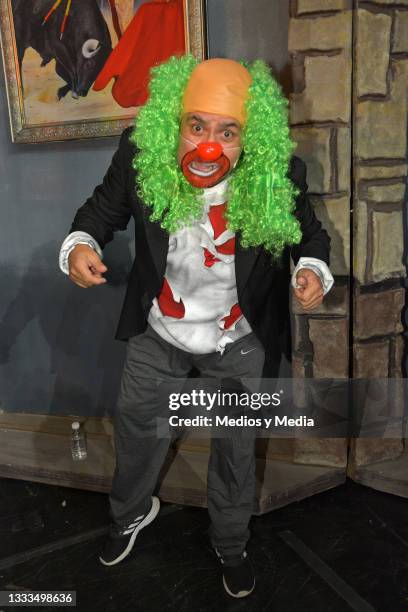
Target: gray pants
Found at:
140, 452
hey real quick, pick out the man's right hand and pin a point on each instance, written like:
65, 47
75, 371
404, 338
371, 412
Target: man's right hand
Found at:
85, 266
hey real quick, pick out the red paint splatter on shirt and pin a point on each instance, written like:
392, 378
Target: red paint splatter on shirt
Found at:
168, 305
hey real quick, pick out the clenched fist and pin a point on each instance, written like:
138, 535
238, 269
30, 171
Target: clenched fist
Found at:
85, 266
310, 292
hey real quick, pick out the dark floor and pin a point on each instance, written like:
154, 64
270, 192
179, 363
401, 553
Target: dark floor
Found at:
352, 539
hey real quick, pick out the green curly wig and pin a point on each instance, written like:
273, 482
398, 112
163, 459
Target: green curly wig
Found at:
261, 197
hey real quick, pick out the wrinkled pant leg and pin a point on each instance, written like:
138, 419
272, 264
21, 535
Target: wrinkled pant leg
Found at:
231, 469
231, 492
140, 449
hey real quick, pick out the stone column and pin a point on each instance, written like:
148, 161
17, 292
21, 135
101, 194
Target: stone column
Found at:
379, 163
320, 42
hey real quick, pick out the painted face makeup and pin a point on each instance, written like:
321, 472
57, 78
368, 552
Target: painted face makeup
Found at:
205, 165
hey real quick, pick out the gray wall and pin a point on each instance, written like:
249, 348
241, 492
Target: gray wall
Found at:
57, 349
251, 29
57, 352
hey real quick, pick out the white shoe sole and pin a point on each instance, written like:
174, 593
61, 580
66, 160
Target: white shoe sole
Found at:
240, 593
154, 510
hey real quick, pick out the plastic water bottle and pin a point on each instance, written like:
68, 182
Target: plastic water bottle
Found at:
78, 442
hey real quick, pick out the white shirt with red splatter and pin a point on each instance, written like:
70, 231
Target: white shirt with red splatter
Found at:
197, 308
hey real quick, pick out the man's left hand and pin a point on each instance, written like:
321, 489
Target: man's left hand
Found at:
310, 293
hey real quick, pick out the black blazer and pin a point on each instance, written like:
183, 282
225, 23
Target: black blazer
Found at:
263, 287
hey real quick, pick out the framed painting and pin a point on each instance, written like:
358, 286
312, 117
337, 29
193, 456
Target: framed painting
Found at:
80, 68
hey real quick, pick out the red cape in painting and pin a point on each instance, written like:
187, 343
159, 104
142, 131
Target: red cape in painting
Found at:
155, 33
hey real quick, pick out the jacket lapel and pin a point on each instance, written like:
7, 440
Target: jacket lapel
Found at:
158, 242
244, 262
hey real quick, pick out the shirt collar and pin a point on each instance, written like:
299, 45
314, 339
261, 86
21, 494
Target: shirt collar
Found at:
217, 194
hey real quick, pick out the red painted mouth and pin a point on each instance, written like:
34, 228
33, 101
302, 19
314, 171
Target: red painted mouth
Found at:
201, 173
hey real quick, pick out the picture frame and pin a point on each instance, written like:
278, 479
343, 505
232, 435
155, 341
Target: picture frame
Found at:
53, 122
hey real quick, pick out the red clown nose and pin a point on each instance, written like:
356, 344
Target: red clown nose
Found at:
209, 151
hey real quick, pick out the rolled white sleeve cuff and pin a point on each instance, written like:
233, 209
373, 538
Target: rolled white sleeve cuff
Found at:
70, 242
319, 267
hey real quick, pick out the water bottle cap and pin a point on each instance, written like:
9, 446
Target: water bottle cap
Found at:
75, 425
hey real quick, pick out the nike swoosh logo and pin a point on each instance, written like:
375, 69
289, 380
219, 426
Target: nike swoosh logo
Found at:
246, 352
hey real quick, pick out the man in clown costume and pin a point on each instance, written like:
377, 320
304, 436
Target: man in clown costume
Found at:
219, 204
